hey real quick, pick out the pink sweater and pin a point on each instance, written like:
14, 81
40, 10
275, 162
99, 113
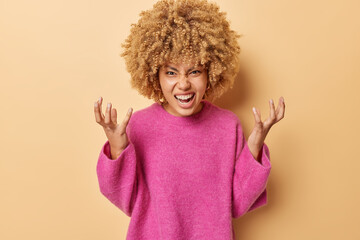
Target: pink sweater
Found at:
184, 177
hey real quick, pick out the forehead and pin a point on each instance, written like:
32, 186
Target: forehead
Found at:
181, 65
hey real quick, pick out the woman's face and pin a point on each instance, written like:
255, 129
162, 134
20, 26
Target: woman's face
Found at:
183, 87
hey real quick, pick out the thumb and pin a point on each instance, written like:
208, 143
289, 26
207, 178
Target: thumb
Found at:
126, 119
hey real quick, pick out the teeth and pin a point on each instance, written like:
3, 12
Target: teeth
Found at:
184, 97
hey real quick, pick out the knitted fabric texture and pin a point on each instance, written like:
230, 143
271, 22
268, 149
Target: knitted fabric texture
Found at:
184, 177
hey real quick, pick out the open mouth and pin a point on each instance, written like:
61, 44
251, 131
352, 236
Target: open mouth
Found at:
185, 98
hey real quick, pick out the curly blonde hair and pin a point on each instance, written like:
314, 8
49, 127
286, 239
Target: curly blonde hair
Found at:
186, 31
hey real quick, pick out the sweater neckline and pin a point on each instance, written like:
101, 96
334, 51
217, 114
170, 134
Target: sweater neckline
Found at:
178, 120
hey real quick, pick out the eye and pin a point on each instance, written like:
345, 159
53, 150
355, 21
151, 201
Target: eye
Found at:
195, 72
170, 73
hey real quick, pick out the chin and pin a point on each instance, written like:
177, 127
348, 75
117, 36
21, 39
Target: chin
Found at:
184, 112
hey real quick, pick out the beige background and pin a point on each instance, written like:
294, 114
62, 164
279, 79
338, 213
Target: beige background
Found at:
58, 57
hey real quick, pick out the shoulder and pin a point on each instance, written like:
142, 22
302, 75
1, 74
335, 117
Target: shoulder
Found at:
223, 115
140, 120
144, 118
143, 115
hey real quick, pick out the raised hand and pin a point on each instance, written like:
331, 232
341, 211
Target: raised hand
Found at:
116, 133
261, 129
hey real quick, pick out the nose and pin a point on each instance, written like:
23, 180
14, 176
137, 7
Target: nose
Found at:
184, 83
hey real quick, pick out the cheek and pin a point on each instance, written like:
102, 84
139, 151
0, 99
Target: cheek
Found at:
166, 85
202, 84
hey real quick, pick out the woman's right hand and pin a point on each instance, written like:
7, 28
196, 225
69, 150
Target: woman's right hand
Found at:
116, 133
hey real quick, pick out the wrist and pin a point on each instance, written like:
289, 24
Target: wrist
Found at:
255, 152
115, 154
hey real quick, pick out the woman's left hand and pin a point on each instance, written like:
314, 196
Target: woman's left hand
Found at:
261, 129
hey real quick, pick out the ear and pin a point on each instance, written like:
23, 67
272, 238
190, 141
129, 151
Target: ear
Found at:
208, 86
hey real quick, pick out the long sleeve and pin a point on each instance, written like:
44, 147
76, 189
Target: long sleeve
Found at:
117, 178
250, 177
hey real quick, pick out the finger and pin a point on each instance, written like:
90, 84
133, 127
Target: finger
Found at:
108, 114
100, 104
113, 116
98, 117
272, 111
279, 106
281, 109
126, 119
257, 115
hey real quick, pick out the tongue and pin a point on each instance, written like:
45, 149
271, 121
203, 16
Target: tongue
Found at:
185, 101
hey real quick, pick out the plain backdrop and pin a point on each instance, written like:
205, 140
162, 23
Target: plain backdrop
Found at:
58, 57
